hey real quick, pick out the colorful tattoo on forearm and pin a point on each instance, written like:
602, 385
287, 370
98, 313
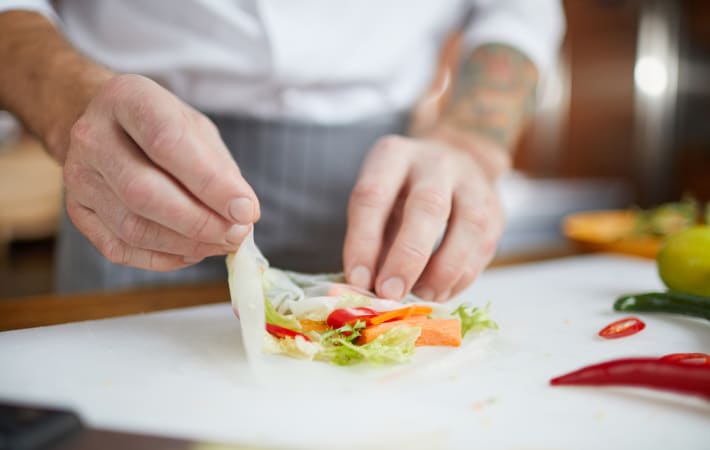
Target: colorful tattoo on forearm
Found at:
494, 94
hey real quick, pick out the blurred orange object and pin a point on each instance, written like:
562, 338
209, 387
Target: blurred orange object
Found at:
610, 231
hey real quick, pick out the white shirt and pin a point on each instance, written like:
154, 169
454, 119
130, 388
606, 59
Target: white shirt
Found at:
326, 61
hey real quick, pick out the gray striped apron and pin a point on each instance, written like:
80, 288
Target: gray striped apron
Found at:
302, 173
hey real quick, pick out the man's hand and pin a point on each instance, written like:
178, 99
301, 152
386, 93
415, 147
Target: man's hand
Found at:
409, 192
149, 181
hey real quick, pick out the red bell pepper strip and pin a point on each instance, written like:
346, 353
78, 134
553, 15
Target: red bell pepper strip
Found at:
698, 359
622, 328
343, 316
651, 373
281, 332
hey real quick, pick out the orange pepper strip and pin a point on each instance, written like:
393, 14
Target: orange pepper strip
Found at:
399, 314
312, 325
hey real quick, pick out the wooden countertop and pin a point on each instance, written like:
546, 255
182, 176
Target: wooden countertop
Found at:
52, 309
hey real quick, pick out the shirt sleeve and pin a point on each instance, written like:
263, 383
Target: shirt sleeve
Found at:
534, 27
40, 6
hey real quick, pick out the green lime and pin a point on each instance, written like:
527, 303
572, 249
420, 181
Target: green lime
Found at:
684, 261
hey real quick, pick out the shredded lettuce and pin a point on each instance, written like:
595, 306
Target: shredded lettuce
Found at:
295, 348
349, 332
393, 346
275, 318
474, 319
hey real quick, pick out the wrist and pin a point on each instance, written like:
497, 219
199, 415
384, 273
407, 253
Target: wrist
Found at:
67, 107
45, 82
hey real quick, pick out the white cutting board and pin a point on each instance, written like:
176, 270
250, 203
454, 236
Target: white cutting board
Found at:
183, 373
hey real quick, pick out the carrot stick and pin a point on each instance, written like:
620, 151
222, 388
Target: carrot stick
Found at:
441, 332
402, 313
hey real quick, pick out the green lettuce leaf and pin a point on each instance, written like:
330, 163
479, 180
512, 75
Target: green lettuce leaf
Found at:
275, 318
349, 332
474, 319
393, 346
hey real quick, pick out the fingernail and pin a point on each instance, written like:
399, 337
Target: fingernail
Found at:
236, 234
360, 277
242, 210
191, 260
393, 288
425, 293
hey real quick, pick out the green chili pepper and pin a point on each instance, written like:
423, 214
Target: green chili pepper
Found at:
668, 302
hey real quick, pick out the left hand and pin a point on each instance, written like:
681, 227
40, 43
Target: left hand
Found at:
409, 191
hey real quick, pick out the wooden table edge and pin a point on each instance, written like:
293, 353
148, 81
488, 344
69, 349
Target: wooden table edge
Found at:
54, 309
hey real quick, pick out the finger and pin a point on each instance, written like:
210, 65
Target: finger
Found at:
391, 229
134, 230
113, 248
186, 144
149, 192
381, 179
426, 211
480, 260
459, 249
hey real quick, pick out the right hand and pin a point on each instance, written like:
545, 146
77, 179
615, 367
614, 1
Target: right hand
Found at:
149, 181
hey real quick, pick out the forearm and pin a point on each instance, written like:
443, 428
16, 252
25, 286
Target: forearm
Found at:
44, 81
493, 98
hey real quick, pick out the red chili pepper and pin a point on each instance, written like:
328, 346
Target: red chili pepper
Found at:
281, 332
344, 316
622, 328
651, 373
697, 359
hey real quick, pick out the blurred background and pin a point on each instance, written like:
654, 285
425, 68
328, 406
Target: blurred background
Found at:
623, 121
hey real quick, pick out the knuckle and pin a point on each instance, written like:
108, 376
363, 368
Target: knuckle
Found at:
446, 272
134, 230
115, 251
197, 231
162, 138
80, 134
431, 201
390, 143
207, 180
468, 276
364, 239
368, 194
474, 218
413, 251
116, 87
158, 264
201, 250
138, 193
197, 250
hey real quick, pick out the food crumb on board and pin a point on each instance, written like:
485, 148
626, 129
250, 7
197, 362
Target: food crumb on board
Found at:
480, 405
